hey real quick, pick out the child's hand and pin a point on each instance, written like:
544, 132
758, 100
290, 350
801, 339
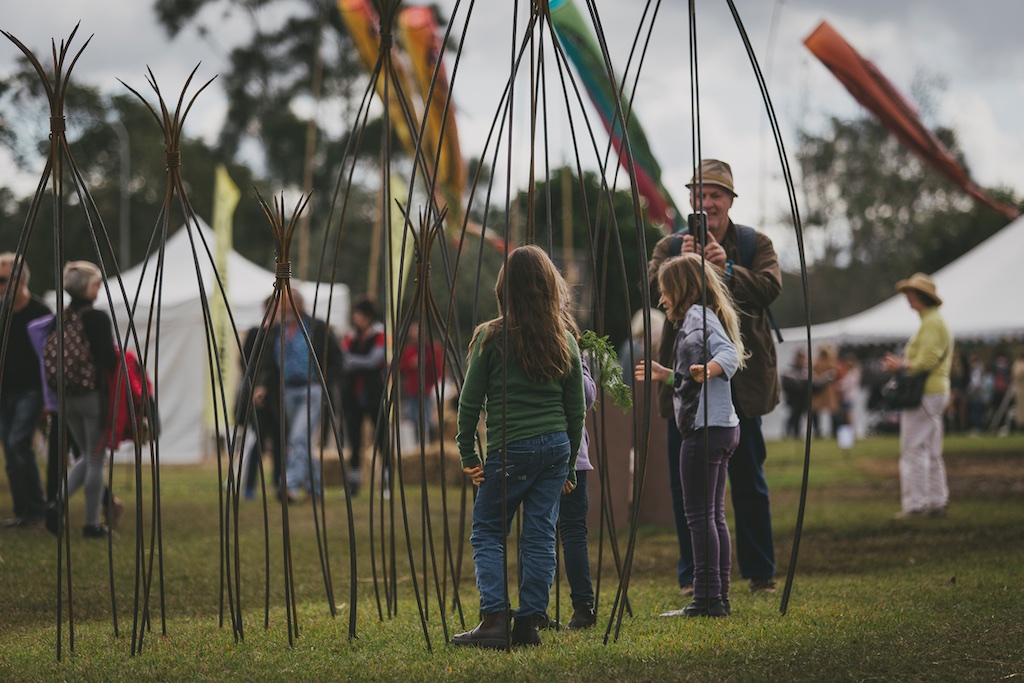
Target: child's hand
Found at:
567, 488
697, 372
476, 473
659, 373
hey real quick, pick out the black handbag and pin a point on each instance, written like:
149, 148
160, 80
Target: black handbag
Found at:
904, 391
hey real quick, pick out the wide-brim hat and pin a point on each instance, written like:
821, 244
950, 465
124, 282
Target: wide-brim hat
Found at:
919, 282
713, 172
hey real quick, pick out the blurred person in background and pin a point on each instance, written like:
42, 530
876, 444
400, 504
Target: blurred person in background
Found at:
21, 393
86, 402
924, 491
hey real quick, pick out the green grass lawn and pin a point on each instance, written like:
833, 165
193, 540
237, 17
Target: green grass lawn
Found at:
873, 598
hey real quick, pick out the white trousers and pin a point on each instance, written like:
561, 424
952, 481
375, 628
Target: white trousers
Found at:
922, 473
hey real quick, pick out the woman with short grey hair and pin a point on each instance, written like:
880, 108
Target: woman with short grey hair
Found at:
79, 276
85, 404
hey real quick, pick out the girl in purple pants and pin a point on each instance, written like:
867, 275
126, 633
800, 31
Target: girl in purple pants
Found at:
709, 351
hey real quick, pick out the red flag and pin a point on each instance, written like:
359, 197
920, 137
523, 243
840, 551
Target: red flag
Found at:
873, 90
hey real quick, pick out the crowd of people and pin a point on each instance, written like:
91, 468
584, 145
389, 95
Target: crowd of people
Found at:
713, 361
354, 373
103, 399
834, 383
983, 394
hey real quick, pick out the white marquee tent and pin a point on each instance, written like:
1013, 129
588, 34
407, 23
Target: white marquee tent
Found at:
979, 292
980, 303
183, 370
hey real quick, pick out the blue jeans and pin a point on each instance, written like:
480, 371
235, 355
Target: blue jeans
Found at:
534, 472
411, 413
572, 527
19, 415
704, 460
302, 414
755, 548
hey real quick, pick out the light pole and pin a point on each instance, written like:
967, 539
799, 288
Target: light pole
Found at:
124, 143
124, 238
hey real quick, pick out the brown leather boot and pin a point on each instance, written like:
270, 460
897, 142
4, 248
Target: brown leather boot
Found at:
492, 632
527, 630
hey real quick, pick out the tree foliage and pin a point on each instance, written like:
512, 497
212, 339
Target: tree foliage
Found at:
608, 267
878, 214
119, 149
296, 60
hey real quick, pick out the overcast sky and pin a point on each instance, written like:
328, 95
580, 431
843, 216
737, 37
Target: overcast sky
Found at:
974, 46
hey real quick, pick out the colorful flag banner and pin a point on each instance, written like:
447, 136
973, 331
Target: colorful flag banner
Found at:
579, 44
418, 34
879, 96
363, 24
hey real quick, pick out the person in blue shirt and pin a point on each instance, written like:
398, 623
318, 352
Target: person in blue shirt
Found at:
296, 366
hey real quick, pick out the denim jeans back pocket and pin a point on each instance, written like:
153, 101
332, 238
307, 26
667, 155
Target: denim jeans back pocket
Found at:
517, 463
556, 451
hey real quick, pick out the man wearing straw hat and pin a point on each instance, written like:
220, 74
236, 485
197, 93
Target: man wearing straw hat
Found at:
746, 259
923, 488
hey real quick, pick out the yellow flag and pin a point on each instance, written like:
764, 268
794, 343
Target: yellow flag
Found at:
400, 264
225, 199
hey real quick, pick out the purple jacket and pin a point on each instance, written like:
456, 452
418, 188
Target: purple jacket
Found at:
38, 330
589, 396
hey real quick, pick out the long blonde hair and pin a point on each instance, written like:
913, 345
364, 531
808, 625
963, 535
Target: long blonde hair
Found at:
567, 317
529, 293
680, 280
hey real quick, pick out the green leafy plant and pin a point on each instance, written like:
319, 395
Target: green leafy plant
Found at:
606, 368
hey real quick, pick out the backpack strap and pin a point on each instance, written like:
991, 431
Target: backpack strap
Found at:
746, 243
675, 246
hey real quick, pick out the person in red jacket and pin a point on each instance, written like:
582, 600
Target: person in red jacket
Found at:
419, 382
365, 364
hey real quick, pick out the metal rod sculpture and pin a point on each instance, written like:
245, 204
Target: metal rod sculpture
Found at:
437, 563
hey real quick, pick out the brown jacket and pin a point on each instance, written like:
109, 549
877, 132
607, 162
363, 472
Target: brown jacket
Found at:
755, 388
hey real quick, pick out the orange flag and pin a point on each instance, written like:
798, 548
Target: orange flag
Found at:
417, 33
363, 24
873, 90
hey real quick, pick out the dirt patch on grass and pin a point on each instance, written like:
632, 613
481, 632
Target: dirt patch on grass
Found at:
968, 473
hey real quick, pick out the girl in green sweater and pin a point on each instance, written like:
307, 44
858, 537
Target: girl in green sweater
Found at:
524, 370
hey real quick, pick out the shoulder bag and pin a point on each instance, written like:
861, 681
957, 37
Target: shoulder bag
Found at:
904, 391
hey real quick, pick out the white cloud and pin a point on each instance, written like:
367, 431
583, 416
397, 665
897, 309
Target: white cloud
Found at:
994, 154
